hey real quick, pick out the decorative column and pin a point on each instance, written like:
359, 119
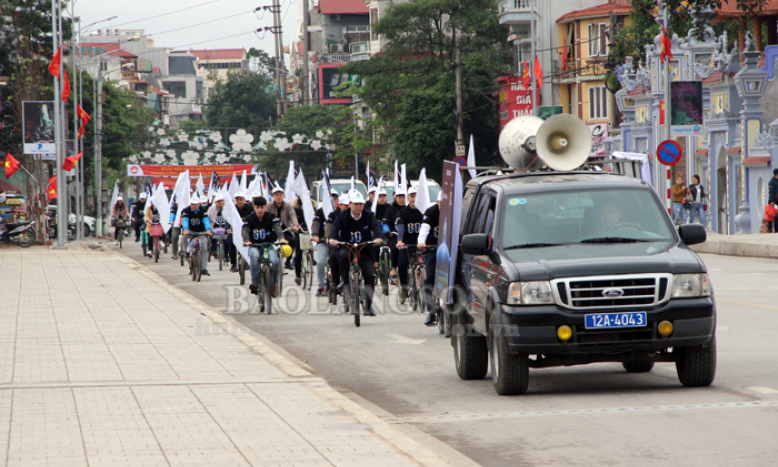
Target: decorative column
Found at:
750, 82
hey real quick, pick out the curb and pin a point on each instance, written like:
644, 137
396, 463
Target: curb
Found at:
737, 246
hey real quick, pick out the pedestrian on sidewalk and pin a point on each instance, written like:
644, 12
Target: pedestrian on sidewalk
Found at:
697, 191
679, 191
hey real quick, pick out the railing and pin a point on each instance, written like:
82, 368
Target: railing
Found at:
521, 4
336, 58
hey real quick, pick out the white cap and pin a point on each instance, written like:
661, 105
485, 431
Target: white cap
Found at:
440, 196
119, 198
399, 192
382, 192
256, 194
143, 195
194, 199
203, 199
240, 195
333, 191
356, 197
343, 198
276, 189
413, 190
372, 189
218, 197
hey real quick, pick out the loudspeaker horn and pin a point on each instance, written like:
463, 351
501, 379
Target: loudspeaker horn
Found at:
517, 142
563, 142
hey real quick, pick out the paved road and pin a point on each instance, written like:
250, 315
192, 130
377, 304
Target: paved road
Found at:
585, 415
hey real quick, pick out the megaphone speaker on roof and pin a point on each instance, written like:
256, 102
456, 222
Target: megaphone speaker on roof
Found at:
562, 142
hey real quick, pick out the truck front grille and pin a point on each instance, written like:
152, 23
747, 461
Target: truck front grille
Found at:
591, 293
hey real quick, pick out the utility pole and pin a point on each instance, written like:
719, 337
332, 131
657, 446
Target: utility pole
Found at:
276, 10
304, 100
99, 149
666, 129
460, 149
533, 82
76, 94
61, 210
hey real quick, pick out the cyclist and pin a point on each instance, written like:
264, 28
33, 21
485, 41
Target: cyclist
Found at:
216, 217
382, 206
298, 257
356, 225
262, 226
244, 208
428, 236
120, 211
153, 227
138, 208
389, 222
371, 198
284, 211
318, 235
175, 230
333, 260
195, 220
408, 222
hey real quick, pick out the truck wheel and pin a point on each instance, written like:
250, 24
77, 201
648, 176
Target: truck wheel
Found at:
696, 366
638, 367
471, 355
510, 371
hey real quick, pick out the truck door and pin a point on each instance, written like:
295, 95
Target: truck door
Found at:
478, 268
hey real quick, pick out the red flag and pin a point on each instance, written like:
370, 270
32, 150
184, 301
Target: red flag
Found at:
65, 86
661, 111
667, 45
71, 162
55, 63
51, 190
81, 130
564, 58
11, 165
82, 114
525, 76
538, 72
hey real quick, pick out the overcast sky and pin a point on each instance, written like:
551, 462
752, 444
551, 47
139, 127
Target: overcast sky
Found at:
222, 18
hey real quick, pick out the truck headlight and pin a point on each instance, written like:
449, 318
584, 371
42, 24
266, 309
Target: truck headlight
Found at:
530, 293
691, 285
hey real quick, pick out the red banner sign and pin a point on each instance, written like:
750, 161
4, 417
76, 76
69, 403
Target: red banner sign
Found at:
172, 171
515, 99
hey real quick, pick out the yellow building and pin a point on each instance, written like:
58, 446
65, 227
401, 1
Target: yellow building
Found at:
583, 63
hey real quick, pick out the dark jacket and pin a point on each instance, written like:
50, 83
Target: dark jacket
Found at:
390, 216
265, 230
772, 187
345, 227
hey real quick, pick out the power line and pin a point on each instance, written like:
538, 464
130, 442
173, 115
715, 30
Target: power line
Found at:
169, 13
198, 24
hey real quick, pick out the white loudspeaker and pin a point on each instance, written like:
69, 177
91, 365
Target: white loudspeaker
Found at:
562, 142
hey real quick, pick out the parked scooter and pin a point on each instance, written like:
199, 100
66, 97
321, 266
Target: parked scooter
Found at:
52, 223
22, 233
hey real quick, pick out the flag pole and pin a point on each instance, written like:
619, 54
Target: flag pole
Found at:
61, 215
533, 82
668, 105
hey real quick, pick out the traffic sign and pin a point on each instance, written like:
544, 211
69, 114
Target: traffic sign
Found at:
460, 160
668, 152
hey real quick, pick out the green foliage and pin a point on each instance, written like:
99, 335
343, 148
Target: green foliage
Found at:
262, 62
411, 86
244, 100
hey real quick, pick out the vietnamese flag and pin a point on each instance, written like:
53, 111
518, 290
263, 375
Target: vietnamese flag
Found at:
538, 72
71, 162
667, 45
525, 76
11, 165
85, 118
51, 190
65, 86
55, 63
661, 111
564, 58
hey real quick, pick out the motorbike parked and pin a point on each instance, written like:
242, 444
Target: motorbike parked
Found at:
22, 233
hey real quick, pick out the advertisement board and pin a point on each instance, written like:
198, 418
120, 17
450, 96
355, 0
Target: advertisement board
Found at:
599, 132
448, 242
172, 171
686, 115
515, 99
38, 117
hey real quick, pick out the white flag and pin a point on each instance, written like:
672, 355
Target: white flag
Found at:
396, 178
200, 185
181, 192
162, 203
114, 196
231, 215
256, 186
374, 206
327, 205
353, 183
301, 188
234, 186
289, 192
404, 180
471, 158
370, 180
423, 195
244, 183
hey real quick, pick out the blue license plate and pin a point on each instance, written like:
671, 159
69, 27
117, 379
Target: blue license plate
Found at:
632, 319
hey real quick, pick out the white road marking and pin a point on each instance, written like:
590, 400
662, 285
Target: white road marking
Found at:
762, 389
400, 339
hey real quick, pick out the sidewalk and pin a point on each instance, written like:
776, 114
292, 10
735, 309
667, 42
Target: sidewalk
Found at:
756, 245
103, 364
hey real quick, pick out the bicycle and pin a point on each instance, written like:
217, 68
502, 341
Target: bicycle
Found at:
356, 296
156, 233
144, 241
182, 248
332, 296
415, 276
195, 263
220, 235
306, 270
265, 277
121, 225
384, 267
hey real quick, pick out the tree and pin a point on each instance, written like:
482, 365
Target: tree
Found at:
261, 62
244, 100
411, 85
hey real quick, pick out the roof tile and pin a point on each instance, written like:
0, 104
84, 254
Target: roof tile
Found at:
616, 7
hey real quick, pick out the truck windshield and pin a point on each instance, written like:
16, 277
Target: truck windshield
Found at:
589, 217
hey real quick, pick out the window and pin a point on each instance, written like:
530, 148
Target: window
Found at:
598, 39
373, 20
598, 103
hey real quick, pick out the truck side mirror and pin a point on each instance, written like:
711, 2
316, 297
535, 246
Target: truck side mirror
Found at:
692, 234
475, 244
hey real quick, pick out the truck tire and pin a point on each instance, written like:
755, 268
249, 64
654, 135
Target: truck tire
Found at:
696, 366
471, 355
638, 367
510, 371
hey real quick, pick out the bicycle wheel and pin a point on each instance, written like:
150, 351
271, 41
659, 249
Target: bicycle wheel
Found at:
280, 276
181, 256
384, 272
221, 255
194, 264
144, 243
268, 275
354, 292
242, 270
120, 237
309, 269
443, 326
156, 249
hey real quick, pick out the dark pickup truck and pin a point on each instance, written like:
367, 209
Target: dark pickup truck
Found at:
561, 269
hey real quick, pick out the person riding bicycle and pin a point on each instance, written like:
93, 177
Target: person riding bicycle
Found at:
371, 193
262, 226
389, 223
285, 212
342, 205
244, 208
194, 220
382, 206
298, 257
120, 211
216, 216
319, 235
357, 225
175, 230
428, 237
408, 221
138, 210
153, 227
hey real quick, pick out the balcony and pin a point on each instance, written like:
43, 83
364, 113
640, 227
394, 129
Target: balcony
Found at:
336, 58
516, 11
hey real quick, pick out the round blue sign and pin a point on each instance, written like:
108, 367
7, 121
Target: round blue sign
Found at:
460, 160
668, 152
